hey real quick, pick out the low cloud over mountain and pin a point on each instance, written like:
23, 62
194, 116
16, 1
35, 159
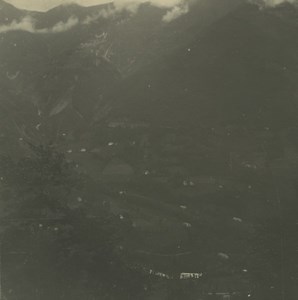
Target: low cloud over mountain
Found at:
271, 3
28, 24
46, 5
175, 13
174, 9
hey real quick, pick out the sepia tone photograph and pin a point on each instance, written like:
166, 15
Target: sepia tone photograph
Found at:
148, 149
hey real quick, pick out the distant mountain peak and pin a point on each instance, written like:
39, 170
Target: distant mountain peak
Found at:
72, 6
4, 4
41, 9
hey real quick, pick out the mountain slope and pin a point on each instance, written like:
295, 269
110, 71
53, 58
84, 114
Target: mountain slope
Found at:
241, 69
41, 68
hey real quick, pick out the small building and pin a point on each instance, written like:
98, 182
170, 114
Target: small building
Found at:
190, 275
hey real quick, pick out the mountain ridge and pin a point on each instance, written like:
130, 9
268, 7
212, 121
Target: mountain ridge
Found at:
232, 64
66, 5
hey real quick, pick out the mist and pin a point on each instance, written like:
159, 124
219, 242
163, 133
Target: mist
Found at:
272, 3
44, 5
28, 24
174, 9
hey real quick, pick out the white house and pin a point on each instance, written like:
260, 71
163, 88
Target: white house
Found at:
190, 275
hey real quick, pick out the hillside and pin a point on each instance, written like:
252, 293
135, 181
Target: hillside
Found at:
183, 134
234, 72
110, 49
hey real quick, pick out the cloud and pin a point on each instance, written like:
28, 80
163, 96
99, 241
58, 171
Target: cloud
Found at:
28, 24
272, 3
62, 26
44, 5
103, 13
174, 9
277, 2
175, 13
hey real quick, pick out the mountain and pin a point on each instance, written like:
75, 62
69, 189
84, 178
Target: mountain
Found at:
220, 63
8, 12
195, 121
240, 69
89, 55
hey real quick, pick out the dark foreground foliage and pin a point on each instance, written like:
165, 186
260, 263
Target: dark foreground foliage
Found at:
55, 244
